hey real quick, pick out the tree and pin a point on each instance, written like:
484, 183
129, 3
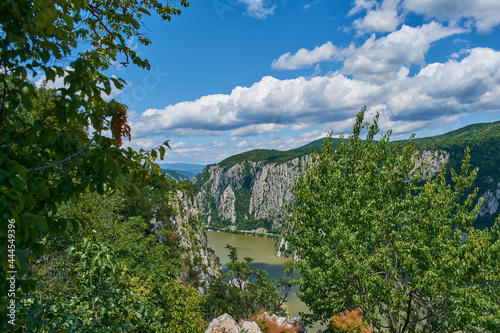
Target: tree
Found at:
41, 163
371, 233
245, 290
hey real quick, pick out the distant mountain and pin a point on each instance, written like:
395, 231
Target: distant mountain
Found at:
172, 174
185, 167
188, 171
250, 190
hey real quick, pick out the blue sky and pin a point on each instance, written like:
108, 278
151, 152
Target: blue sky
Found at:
228, 76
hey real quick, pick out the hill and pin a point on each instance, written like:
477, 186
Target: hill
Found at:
250, 190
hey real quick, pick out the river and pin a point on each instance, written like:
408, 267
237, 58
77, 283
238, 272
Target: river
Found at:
263, 251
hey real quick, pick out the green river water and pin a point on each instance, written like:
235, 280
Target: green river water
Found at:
263, 251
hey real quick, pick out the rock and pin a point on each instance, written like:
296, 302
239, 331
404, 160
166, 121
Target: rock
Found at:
297, 321
185, 221
223, 324
491, 201
250, 327
269, 186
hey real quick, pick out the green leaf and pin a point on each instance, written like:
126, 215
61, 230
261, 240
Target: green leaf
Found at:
143, 10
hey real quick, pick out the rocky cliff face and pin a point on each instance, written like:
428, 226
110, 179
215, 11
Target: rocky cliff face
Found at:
199, 260
431, 162
249, 195
491, 199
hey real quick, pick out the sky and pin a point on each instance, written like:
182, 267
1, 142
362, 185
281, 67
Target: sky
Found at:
228, 76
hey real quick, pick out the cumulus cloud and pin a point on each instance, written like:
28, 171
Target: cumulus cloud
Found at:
305, 58
485, 13
387, 15
382, 17
360, 5
376, 57
408, 102
267, 102
260, 9
404, 47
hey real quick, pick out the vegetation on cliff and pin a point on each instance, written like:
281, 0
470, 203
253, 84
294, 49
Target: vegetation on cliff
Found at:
126, 269
483, 141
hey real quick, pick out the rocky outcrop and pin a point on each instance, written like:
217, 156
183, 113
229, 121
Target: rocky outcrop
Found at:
271, 189
249, 190
226, 324
250, 195
250, 327
429, 163
491, 199
199, 260
223, 324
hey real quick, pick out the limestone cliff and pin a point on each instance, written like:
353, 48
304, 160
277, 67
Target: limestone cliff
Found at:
248, 195
491, 199
250, 190
199, 260
253, 194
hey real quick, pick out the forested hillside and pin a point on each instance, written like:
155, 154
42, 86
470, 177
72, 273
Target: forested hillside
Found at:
147, 255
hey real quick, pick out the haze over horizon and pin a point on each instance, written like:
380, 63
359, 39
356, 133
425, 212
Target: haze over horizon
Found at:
229, 76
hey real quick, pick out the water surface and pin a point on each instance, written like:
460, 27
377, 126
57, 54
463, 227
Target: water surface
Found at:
263, 251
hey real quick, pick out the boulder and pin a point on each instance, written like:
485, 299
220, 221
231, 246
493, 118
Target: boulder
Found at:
223, 324
250, 327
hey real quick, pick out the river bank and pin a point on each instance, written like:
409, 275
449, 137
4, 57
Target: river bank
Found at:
263, 251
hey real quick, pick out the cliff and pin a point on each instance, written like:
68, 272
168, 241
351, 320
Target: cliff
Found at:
198, 259
250, 190
248, 195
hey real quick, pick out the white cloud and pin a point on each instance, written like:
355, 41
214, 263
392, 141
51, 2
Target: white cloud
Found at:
242, 144
260, 9
266, 106
376, 57
379, 17
258, 129
439, 91
404, 47
305, 58
307, 6
360, 5
485, 13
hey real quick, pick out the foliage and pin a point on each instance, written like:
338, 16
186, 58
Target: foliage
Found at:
405, 252
183, 307
246, 290
141, 292
269, 324
97, 302
351, 321
42, 163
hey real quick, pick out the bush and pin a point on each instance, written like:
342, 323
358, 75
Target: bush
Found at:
351, 321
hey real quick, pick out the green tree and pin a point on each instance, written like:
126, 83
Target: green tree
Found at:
370, 233
41, 165
139, 290
245, 290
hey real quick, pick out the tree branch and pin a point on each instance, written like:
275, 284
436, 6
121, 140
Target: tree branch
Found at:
408, 312
65, 159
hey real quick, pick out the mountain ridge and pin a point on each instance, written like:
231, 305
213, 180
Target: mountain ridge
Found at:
249, 190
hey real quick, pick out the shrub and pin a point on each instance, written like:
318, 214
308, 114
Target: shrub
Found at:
351, 321
269, 324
